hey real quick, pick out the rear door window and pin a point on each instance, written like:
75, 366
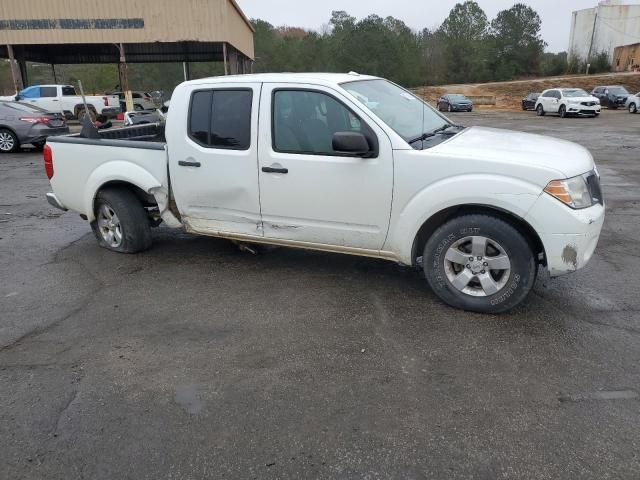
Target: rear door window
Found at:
48, 92
221, 118
199, 116
68, 92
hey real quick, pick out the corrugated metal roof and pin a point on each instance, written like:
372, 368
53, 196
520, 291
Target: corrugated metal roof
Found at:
64, 22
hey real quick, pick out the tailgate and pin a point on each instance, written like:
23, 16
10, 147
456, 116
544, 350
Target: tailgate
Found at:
113, 101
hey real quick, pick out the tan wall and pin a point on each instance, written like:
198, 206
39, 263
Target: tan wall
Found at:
626, 57
164, 21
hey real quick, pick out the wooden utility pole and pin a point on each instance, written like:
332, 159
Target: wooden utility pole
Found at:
17, 84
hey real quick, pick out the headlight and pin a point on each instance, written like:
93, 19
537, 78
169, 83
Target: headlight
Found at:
576, 192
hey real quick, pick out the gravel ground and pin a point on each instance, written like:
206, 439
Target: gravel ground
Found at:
195, 360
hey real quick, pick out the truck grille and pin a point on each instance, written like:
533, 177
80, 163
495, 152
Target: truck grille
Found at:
588, 104
593, 183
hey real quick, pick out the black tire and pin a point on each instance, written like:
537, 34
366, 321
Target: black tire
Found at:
633, 108
563, 111
540, 110
524, 108
80, 113
515, 287
9, 142
134, 224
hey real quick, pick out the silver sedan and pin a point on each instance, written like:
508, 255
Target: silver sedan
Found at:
21, 123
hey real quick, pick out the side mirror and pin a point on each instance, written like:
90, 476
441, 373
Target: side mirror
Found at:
352, 143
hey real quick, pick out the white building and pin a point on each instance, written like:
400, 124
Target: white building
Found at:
602, 28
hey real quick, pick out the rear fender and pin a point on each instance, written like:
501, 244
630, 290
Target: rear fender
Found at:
121, 171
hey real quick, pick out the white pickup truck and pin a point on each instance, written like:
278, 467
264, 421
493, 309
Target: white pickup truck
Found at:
343, 163
64, 99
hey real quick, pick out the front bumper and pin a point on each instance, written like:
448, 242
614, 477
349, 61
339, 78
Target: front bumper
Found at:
53, 200
461, 108
569, 236
583, 109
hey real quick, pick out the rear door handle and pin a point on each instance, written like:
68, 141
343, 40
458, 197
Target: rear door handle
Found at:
275, 170
184, 163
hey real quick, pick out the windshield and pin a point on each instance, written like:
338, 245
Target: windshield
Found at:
574, 92
618, 91
405, 113
457, 96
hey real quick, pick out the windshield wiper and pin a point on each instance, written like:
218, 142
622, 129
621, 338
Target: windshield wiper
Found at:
433, 133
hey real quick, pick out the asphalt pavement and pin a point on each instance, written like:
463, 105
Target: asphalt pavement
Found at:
196, 360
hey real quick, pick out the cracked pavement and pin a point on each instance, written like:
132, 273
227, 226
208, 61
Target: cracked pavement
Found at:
196, 360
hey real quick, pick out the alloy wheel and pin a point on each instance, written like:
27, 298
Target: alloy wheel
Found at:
7, 142
477, 266
109, 226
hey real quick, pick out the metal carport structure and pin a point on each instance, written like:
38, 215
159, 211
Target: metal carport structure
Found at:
121, 31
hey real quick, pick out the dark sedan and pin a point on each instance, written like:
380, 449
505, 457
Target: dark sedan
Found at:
529, 102
454, 102
21, 123
612, 96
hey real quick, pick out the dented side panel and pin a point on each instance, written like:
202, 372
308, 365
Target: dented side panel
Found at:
215, 189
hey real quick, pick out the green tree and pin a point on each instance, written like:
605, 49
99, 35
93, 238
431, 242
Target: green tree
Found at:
465, 36
516, 43
553, 64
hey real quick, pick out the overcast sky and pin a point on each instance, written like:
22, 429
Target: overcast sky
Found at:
555, 14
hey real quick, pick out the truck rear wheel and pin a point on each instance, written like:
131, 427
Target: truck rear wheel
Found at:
479, 263
121, 223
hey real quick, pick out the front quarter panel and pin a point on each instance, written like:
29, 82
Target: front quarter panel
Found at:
427, 184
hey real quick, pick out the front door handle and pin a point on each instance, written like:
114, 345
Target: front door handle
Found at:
184, 163
275, 170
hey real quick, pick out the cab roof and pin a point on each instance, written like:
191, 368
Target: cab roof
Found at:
312, 77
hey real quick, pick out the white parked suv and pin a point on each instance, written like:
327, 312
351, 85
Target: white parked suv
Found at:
633, 103
567, 101
343, 163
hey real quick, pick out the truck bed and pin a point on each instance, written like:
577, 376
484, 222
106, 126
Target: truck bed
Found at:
132, 154
150, 136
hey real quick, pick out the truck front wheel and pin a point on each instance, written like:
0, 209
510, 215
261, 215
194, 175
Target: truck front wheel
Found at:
479, 263
121, 223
